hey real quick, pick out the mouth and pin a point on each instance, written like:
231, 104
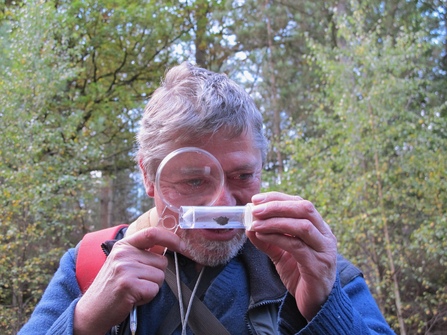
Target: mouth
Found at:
220, 231
225, 234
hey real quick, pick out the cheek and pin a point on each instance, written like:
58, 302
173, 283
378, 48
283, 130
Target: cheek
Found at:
245, 194
159, 204
255, 185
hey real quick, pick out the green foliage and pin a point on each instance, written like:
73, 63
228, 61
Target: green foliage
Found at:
36, 182
374, 157
281, 80
74, 77
359, 87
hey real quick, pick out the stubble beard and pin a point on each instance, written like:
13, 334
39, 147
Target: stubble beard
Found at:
211, 253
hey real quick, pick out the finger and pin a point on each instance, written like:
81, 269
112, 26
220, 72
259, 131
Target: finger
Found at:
125, 259
276, 246
137, 284
290, 244
148, 291
261, 198
150, 274
298, 209
158, 249
150, 237
130, 258
271, 250
297, 228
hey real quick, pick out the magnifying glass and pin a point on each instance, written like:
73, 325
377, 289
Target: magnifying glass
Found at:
189, 181
188, 177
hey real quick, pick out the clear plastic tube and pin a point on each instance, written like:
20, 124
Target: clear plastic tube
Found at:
216, 217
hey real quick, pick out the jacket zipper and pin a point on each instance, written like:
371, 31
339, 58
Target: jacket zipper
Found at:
259, 304
104, 249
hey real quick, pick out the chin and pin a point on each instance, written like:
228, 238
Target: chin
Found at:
211, 253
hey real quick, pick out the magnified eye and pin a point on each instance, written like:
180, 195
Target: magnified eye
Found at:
193, 185
189, 177
195, 182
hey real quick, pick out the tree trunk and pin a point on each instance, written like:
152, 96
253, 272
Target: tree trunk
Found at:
385, 229
201, 21
107, 203
110, 205
276, 116
375, 257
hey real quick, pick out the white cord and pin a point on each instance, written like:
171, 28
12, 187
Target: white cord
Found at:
183, 317
179, 290
188, 310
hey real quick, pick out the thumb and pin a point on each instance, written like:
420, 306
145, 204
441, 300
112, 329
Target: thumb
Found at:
262, 246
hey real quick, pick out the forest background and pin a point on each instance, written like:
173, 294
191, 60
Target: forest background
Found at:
353, 95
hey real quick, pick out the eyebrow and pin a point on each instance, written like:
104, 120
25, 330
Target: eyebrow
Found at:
244, 167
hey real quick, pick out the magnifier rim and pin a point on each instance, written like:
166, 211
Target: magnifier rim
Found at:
175, 153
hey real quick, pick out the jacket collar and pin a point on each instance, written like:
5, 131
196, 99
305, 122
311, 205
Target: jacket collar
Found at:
265, 283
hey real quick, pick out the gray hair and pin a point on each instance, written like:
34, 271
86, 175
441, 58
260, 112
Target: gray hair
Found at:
191, 103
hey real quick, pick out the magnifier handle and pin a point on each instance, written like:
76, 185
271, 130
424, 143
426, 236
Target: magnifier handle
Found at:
167, 221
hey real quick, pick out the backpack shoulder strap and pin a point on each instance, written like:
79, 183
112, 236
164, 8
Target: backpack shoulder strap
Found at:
90, 257
202, 320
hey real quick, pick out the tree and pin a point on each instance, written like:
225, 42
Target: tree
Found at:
34, 186
360, 114
373, 164
74, 77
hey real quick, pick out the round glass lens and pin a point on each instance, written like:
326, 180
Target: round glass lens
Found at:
189, 177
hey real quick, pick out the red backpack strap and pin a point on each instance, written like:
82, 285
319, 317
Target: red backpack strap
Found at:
91, 257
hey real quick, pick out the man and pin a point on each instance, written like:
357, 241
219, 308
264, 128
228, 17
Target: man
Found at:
296, 289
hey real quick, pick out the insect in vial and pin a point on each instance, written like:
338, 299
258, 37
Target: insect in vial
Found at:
222, 220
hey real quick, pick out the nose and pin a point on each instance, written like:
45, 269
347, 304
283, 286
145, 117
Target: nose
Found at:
226, 198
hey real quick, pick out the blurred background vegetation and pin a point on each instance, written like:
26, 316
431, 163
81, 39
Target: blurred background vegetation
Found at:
353, 95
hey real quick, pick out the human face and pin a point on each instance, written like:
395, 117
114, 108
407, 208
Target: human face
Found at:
242, 165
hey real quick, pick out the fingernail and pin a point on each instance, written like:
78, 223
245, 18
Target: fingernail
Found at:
182, 246
258, 198
258, 209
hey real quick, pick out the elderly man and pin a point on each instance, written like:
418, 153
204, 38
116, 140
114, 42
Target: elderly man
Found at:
281, 277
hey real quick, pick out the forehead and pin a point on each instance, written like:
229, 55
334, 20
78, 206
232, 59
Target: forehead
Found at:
235, 152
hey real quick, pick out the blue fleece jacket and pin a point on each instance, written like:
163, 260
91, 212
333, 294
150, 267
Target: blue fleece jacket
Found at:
351, 310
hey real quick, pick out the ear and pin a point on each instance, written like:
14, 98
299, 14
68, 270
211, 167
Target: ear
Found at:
149, 185
150, 188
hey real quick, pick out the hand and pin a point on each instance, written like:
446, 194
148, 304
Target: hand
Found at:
132, 274
300, 244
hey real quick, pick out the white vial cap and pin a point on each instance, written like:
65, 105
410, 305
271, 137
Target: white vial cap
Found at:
248, 221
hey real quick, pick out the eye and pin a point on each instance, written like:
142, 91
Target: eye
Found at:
244, 176
195, 182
